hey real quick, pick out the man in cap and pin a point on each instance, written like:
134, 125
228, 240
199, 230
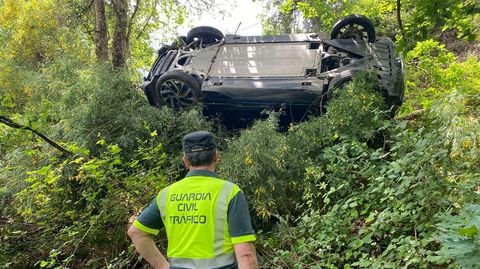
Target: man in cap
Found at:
206, 218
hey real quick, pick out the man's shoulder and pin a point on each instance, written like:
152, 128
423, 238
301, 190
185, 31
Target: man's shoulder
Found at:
235, 185
215, 180
184, 180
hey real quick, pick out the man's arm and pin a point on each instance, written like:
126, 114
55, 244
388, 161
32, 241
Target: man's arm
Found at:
246, 255
241, 232
147, 248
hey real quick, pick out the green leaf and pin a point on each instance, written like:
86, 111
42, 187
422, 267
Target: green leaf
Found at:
470, 231
370, 217
115, 149
116, 161
357, 243
7, 102
435, 259
367, 239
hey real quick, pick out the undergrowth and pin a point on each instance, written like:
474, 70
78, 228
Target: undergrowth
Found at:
349, 189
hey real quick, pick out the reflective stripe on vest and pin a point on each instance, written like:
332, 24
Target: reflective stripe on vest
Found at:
219, 223
162, 202
218, 261
221, 217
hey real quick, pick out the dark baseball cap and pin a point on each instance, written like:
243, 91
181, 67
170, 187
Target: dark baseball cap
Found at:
198, 141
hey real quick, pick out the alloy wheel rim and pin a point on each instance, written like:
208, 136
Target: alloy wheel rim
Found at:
353, 30
176, 93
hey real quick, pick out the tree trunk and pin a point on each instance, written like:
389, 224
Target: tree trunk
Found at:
120, 38
101, 32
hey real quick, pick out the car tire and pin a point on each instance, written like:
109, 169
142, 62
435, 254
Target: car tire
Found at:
177, 89
340, 80
340, 28
337, 82
208, 35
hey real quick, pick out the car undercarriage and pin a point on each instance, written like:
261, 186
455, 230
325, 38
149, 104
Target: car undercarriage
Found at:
238, 77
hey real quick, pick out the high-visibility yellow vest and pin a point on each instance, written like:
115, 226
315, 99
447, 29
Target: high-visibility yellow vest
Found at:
194, 213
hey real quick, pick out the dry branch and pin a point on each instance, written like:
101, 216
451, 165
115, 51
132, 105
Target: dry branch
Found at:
147, 21
132, 17
399, 19
12, 124
413, 115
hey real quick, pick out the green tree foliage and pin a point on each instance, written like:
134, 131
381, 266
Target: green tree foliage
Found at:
33, 34
44, 40
424, 18
421, 20
435, 72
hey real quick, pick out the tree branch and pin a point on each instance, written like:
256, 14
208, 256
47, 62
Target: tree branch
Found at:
140, 33
413, 115
399, 19
130, 23
87, 7
199, 5
12, 124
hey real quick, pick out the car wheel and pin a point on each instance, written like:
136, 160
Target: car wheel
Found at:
341, 80
177, 89
207, 34
354, 26
338, 82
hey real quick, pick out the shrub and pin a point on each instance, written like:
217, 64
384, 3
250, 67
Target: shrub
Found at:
110, 107
78, 207
460, 237
434, 72
276, 169
380, 208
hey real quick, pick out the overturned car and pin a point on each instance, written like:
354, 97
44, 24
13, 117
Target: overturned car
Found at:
238, 77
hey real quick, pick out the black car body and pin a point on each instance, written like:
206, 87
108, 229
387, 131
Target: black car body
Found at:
238, 77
